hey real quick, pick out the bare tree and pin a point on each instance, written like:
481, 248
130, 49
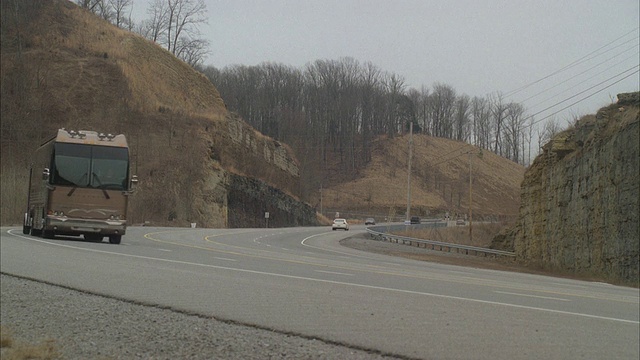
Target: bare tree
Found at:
461, 118
420, 109
498, 114
155, 27
395, 85
548, 131
121, 13
442, 106
102, 8
117, 12
527, 136
513, 129
91, 5
481, 113
184, 17
174, 24
193, 51
370, 119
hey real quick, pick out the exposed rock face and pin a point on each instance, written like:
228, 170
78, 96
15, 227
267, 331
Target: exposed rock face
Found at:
247, 175
579, 209
270, 150
249, 199
267, 177
212, 204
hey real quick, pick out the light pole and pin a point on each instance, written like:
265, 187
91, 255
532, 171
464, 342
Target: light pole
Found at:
470, 196
409, 173
470, 207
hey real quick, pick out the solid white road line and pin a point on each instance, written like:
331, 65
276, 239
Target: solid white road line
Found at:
533, 296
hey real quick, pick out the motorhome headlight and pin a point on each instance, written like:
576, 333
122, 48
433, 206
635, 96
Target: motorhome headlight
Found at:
114, 217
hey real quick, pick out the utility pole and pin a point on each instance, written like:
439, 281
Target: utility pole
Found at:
470, 199
320, 198
409, 172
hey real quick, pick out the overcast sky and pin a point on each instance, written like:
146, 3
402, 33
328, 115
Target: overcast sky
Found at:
476, 46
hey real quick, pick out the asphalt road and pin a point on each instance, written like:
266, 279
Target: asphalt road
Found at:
301, 281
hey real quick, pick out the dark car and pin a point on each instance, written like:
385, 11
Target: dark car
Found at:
415, 220
370, 221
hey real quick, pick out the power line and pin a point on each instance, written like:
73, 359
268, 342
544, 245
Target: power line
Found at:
580, 83
584, 98
583, 72
582, 92
449, 153
574, 63
453, 157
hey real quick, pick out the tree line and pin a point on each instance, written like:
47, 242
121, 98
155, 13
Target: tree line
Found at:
340, 106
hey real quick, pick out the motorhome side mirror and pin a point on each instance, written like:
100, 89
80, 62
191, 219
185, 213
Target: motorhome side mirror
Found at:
45, 174
134, 182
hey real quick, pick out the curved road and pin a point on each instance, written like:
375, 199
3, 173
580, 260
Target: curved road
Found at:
301, 281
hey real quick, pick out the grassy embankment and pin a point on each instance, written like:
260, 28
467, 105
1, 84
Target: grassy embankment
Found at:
15, 350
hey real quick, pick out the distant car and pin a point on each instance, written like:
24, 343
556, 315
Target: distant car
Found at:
415, 220
460, 222
340, 224
370, 221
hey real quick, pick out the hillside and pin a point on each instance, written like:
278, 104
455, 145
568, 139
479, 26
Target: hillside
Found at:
65, 67
439, 182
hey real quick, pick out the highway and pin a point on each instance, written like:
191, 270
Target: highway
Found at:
301, 281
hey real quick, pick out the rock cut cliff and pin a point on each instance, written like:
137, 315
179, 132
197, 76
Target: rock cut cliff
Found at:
580, 198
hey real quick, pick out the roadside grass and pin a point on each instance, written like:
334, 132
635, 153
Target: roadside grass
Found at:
483, 234
15, 350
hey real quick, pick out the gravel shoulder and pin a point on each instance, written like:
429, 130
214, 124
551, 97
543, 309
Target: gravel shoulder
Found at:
85, 326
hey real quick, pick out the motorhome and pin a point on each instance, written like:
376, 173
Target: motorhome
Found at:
79, 184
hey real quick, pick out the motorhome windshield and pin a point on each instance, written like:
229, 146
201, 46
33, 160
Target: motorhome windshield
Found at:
103, 167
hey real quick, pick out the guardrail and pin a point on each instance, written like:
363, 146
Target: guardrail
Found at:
434, 245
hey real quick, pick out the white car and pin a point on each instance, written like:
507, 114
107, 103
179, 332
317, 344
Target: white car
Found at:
340, 224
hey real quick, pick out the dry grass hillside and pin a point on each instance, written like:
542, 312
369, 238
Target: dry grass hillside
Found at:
439, 182
65, 67
92, 57
62, 65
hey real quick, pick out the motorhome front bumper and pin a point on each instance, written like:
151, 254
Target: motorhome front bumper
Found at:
70, 226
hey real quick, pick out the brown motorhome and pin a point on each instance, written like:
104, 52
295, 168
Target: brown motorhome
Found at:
80, 184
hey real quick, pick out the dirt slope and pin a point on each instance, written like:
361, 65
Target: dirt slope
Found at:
439, 181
